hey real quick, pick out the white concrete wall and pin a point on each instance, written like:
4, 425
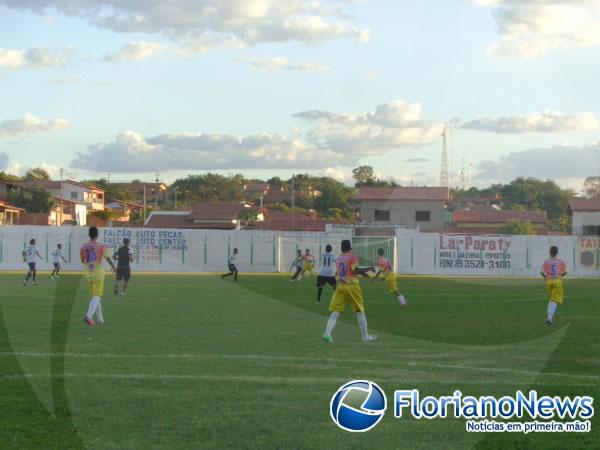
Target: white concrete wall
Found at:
270, 251
169, 250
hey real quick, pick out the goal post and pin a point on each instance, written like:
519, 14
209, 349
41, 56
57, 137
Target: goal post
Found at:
366, 249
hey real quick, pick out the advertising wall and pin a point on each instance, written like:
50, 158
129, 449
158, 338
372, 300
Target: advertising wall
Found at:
173, 250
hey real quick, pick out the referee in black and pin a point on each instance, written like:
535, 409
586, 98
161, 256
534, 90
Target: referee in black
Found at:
124, 258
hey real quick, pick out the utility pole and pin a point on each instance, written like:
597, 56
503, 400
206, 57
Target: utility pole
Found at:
144, 196
444, 169
59, 222
293, 213
175, 193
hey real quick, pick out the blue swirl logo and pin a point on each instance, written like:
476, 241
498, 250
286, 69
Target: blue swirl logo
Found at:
358, 406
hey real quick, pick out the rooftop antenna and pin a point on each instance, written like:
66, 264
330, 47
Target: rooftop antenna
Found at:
462, 173
470, 170
444, 170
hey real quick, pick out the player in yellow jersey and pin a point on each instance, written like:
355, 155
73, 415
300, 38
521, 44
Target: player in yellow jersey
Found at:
389, 277
553, 270
309, 264
347, 292
92, 253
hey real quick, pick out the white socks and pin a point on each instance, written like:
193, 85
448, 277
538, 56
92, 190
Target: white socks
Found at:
99, 312
94, 303
402, 300
551, 310
331, 323
362, 323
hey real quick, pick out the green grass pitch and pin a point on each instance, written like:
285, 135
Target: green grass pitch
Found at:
197, 362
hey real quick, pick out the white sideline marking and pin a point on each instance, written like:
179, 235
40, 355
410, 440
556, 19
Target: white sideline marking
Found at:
503, 370
303, 358
255, 379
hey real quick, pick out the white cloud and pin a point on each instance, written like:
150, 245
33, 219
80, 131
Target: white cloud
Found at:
10, 58
131, 152
277, 64
392, 126
336, 173
30, 124
136, 51
15, 169
546, 122
531, 28
35, 58
336, 139
75, 81
557, 162
202, 24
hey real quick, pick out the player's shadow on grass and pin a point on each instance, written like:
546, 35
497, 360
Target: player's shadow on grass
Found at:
26, 423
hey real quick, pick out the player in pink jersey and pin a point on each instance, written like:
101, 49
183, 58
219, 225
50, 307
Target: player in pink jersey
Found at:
553, 270
347, 292
389, 277
92, 253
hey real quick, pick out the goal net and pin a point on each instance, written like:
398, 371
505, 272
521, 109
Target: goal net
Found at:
364, 247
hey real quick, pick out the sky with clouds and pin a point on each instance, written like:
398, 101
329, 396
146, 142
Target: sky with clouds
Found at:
270, 87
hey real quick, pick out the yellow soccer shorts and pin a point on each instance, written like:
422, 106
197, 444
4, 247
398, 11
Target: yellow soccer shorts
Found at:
347, 294
96, 287
555, 290
391, 282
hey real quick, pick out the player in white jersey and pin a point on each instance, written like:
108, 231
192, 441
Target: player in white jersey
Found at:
57, 256
29, 256
326, 272
231, 265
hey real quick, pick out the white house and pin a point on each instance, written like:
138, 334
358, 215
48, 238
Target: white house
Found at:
90, 196
585, 216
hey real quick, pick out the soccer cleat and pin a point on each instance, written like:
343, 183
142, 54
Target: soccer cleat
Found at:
370, 338
34, 283
549, 322
122, 294
90, 322
51, 277
403, 302
56, 277
24, 283
327, 338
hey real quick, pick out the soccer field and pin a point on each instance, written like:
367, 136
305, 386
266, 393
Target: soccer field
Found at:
197, 362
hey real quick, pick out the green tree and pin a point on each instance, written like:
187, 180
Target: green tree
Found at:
517, 227
34, 200
334, 199
363, 175
8, 177
247, 218
591, 185
533, 194
276, 183
37, 174
209, 187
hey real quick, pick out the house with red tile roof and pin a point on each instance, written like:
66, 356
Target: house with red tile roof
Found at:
422, 207
205, 215
489, 221
298, 221
585, 213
